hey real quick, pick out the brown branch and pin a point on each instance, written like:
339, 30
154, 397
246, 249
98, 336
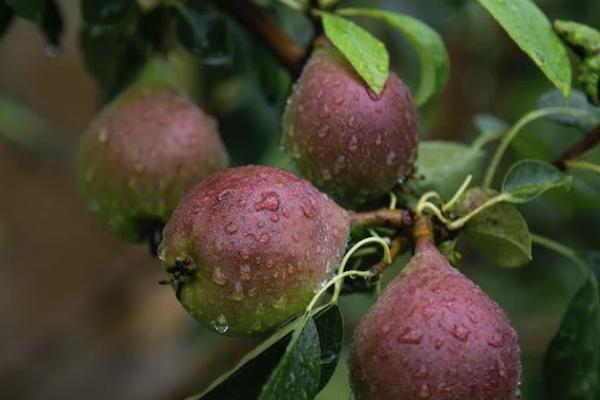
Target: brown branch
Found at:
254, 19
383, 217
397, 247
588, 141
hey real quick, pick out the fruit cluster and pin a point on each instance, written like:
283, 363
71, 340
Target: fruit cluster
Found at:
247, 248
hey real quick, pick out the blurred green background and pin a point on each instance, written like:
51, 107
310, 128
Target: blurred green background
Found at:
82, 313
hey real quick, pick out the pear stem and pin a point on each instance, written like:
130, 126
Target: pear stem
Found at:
422, 230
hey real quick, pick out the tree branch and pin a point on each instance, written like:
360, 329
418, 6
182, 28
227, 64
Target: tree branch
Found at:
254, 19
384, 217
588, 141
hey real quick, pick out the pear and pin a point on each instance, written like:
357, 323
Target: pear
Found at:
247, 249
347, 140
433, 334
142, 153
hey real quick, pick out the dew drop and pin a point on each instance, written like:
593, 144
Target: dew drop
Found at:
269, 201
224, 194
410, 336
220, 324
264, 238
238, 291
280, 303
245, 272
351, 121
296, 237
501, 367
353, 143
425, 392
461, 333
306, 211
324, 111
339, 100
391, 158
274, 218
102, 136
496, 340
231, 228
219, 277
323, 131
260, 224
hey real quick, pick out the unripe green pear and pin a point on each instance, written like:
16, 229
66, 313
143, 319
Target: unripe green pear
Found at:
248, 248
433, 334
142, 153
343, 137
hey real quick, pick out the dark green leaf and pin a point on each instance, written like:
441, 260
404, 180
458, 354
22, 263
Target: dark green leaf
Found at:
490, 128
6, 17
45, 14
297, 376
275, 366
103, 15
572, 363
331, 337
28, 9
527, 25
527, 179
204, 32
499, 233
426, 41
366, 53
445, 165
578, 100
114, 58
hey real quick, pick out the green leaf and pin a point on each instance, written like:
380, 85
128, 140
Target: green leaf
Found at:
330, 326
279, 367
577, 100
44, 13
297, 376
490, 128
6, 17
572, 362
204, 32
527, 25
427, 43
446, 164
499, 233
109, 15
527, 179
28, 9
366, 53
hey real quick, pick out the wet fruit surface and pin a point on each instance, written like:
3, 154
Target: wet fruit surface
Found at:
142, 153
259, 241
433, 334
346, 139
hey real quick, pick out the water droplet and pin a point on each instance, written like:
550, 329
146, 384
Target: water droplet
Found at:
280, 303
378, 140
353, 143
274, 218
439, 343
324, 112
391, 158
323, 131
219, 277
231, 228
269, 201
425, 392
306, 211
252, 291
351, 121
410, 336
245, 272
501, 367
260, 224
102, 135
461, 333
337, 83
339, 100
264, 238
496, 340
238, 291
290, 269
286, 213
296, 237
224, 194
320, 93
220, 324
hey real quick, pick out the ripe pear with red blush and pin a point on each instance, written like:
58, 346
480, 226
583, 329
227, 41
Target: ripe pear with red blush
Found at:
434, 334
347, 140
142, 153
247, 249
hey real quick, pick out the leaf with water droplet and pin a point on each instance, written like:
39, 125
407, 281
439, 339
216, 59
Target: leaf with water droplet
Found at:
572, 362
358, 45
428, 44
527, 25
